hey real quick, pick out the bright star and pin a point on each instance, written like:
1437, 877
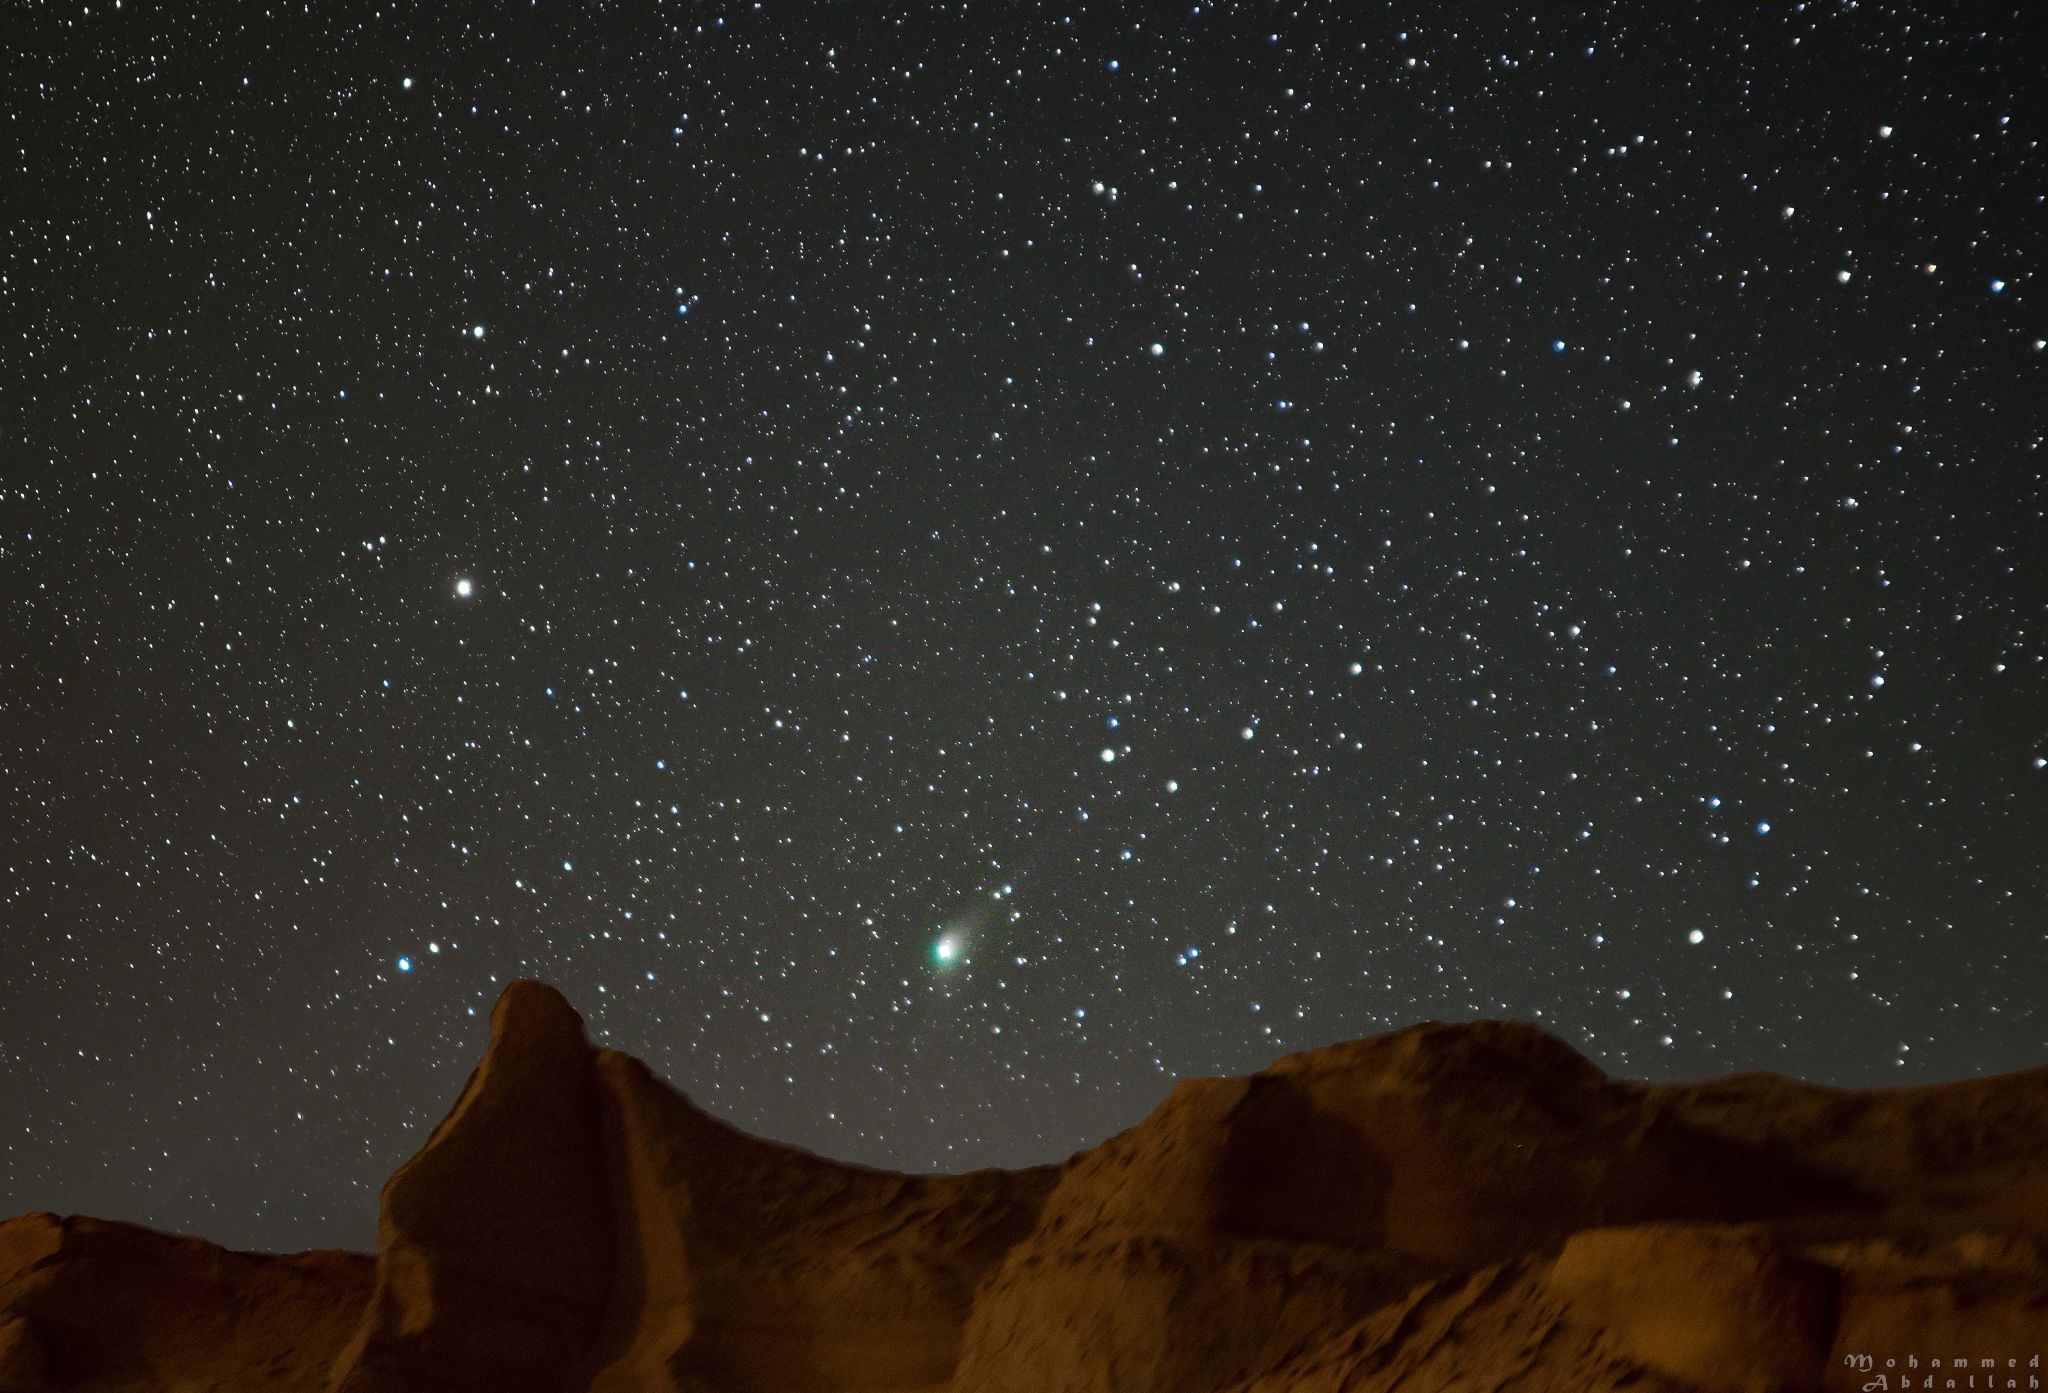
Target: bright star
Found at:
463, 588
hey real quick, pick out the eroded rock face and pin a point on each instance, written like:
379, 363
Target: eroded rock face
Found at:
1722, 1306
1469, 1205
759, 1267
1249, 1217
576, 1223
89, 1304
495, 1243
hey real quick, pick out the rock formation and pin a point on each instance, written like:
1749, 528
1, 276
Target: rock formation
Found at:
1470, 1206
93, 1305
494, 1244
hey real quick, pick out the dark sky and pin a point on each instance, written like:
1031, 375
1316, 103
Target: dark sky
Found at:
940, 569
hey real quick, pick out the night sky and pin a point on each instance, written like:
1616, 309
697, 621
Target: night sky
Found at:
938, 570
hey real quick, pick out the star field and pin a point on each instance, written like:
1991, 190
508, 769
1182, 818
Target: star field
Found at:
940, 569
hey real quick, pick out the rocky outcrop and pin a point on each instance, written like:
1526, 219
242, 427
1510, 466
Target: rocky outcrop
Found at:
752, 1266
1468, 1206
1249, 1217
90, 1304
495, 1245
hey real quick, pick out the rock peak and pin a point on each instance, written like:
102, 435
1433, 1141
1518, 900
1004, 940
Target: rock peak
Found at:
495, 1242
532, 1012
1490, 1055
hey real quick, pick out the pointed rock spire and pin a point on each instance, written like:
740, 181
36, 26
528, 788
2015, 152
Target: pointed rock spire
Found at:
494, 1242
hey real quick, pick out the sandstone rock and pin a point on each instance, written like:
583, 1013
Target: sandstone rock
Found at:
495, 1243
756, 1266
89, 1304
1471, 1206
24, 1357
1720, 1308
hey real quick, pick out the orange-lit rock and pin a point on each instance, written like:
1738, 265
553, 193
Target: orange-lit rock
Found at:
1447, 1206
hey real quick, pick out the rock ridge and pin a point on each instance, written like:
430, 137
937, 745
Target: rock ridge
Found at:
1453, 1204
